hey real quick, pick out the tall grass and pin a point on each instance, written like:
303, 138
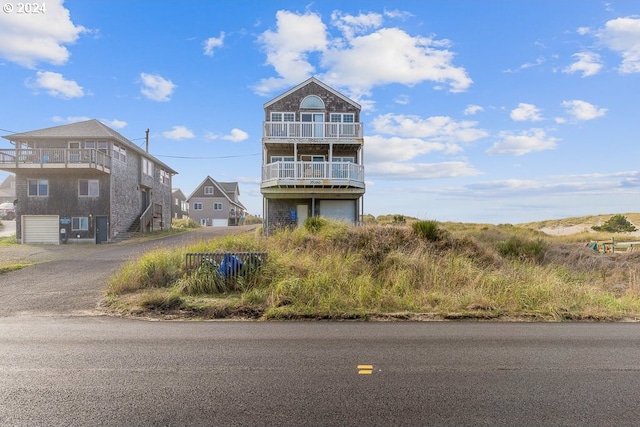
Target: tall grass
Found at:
332, 270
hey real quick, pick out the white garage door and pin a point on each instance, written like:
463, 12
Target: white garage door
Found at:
40, 229
342, 210
220, 222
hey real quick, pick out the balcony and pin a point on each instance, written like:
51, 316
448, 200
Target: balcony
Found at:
54, 158
313, 174
312, 132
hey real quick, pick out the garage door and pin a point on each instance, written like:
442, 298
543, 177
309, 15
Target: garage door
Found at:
220, 222
342, 210
40, 229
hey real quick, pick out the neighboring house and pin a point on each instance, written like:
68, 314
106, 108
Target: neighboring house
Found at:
179, 208
8, 189
216, 203
84, 182
312, 163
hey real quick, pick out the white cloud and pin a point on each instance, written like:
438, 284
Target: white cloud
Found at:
438, 128
115, 123
402, 99
350, 25
588, 63
583, 30
404, 171
395, 149
622, 35
287, 49
212, 43
363, 56
178, 133
472, 110
236, 135
156, 87
523, 143
30, 39
526, 112
582, 110
56, 85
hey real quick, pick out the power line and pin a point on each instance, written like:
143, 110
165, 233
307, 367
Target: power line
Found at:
206, 158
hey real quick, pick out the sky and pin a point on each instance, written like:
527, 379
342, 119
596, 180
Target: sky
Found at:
474, 111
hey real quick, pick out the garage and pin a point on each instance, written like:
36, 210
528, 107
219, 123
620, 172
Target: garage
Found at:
40, 229
220, 222
342, 210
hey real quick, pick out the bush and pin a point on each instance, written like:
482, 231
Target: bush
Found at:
522, 249
427, 230
184, 223
315, 224
616, 224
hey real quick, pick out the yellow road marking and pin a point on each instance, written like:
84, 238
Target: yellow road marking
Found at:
365, 369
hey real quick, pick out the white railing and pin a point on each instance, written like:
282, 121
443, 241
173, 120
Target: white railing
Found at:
312, 172
52, 156
311, 130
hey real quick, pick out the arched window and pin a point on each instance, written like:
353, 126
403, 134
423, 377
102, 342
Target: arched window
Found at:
312, 102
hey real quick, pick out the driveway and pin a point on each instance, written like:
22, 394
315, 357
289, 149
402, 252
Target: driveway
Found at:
8, 228
72, 279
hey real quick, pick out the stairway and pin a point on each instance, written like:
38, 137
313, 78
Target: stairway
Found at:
135, 226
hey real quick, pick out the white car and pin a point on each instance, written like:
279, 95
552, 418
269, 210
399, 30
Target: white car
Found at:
7, 211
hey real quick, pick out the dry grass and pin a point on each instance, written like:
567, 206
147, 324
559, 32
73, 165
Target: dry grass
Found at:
456, 271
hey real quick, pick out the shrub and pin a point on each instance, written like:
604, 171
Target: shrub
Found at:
427, 230
616, 224
523, 249
184, 223
315, 224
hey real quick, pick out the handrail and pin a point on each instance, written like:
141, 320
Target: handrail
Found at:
312, 130
62, 156
145, 218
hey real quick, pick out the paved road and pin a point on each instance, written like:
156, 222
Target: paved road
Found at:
93, 371
74, 278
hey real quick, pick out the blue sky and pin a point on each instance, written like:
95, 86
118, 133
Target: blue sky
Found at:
474, 111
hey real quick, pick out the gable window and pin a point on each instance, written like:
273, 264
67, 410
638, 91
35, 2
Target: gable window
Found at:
39, 187
147, 167
217, 206
88, 188
208, 190
313, 102
197, 206
79, 223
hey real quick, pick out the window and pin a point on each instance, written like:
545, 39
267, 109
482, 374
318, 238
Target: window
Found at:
342, 118
147, 167
119, 153
312, 101
283, 117
38, 187
208, 190
102, 146
197, 206
203, 221
88, 188
165, 177
79, 223
217, 206
281, 159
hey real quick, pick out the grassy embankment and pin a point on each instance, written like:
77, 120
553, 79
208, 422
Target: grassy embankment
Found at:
426, 270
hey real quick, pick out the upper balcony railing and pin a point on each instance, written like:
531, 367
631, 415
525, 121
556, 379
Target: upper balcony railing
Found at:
53, 158
312, 131
322, 174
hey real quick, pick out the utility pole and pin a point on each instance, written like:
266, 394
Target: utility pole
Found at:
146, 138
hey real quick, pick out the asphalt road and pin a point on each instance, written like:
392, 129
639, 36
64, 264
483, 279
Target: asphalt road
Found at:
62, 363
93, 371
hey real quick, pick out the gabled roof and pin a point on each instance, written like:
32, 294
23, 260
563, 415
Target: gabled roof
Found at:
220, 187
176, 192
319, 83
88, 129
230, 187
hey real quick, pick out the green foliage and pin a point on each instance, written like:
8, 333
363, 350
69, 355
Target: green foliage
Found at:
616, 224
522, 249
315, 224
399, 219
427, 230
162, 301
184, 223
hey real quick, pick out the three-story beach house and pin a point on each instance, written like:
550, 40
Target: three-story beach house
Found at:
312, 159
